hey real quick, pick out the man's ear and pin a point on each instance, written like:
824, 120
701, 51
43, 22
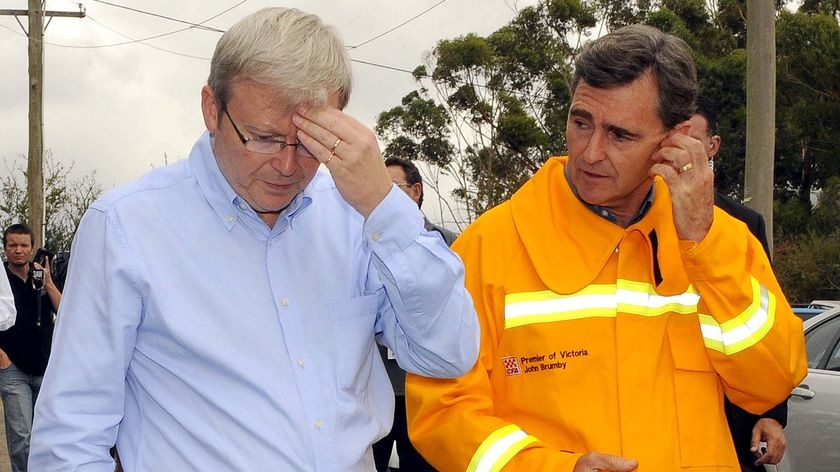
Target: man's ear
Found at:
714, 146
209, 109
415, 191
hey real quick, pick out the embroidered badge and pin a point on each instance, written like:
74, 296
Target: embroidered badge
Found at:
511, 366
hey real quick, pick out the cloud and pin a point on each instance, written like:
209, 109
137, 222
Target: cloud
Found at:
120, 110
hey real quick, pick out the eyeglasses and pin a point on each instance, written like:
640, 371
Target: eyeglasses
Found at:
402, 184
267, 145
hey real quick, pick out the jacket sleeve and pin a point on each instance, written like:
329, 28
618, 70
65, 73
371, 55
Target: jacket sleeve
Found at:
748, 326
455, 423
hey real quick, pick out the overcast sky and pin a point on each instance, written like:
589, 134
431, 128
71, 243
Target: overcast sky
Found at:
120, 110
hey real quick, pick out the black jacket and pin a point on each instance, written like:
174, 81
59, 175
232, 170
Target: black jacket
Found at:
741, 422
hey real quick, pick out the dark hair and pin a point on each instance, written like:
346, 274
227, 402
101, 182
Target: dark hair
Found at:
18, 228
706, 109
629, 52
412, 173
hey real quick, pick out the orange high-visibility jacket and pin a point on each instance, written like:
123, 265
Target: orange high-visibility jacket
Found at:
602, 338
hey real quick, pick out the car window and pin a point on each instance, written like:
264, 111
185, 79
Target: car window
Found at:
834, 361
819, 340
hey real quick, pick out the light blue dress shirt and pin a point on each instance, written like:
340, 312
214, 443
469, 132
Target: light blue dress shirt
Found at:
200, 339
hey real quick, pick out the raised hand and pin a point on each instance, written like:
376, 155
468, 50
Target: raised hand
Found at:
351, 153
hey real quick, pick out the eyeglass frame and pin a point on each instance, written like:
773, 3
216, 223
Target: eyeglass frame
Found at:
300, 149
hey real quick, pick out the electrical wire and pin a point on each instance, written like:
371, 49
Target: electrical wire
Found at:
399, 25
157, 15
199, 25
142, 40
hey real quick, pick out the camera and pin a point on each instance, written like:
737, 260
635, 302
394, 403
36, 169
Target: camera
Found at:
38, 278
41, 256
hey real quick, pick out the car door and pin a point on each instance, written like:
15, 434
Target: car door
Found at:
813, 428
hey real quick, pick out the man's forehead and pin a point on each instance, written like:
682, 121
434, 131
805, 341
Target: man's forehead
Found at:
633, 118
396, 169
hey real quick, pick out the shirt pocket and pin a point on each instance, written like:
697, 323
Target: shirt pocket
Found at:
704, 437
352, 325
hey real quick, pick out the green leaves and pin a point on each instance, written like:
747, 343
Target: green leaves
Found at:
495, 107
66, 199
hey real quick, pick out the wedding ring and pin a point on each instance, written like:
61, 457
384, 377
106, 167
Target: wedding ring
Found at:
337, 142
332, 154
686, 168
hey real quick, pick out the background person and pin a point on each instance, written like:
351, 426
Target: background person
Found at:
230, 304
748, 430
405, 175
25, 347
617, 305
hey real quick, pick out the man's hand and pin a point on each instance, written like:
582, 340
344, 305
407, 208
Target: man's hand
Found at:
599, 462
771, 432
48, 281
351, 153
682, 162
5, 362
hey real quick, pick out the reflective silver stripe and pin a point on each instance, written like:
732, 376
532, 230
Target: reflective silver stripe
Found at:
499, 447
744, 330
601, 300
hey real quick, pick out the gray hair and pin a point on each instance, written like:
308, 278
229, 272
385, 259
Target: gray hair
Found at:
292, 51
627, 53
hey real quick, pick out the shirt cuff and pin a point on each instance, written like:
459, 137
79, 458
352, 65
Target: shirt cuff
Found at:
394, 224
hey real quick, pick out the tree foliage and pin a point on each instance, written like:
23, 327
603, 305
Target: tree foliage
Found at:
488, 110
66, 199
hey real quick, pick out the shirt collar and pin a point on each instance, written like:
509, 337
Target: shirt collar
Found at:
221, 196
604, 212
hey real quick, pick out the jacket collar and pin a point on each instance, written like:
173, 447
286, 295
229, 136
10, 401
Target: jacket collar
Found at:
569, 245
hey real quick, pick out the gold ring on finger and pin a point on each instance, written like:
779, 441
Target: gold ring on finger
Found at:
337, 142
332, 154
686, 168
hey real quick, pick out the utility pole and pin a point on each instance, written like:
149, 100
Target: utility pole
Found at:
35, 162
761, 110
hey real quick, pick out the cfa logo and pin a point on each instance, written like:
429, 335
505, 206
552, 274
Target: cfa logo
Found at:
511, 366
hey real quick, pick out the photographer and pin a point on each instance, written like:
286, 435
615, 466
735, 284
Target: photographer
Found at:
25, 347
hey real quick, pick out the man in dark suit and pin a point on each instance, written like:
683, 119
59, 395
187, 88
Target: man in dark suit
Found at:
747, 429
405, 175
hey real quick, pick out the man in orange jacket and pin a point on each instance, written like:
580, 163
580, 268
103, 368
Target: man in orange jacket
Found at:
617, 304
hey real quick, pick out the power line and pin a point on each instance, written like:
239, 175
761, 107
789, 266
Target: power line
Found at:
157, 15
462, 82
398, 26
133, 40
193, 25
141, 41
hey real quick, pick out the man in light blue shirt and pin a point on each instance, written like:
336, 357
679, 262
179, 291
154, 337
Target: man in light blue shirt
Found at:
222, 313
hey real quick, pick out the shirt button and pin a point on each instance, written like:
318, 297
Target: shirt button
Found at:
604, 213
376, 236
284, 301
319, 424
301, 362
229, 218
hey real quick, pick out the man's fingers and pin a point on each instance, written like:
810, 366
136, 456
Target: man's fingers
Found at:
597, 461
619, 464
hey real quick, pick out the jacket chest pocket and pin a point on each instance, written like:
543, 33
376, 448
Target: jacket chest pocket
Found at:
704, 437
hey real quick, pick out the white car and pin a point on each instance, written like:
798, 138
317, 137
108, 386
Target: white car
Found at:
813, 428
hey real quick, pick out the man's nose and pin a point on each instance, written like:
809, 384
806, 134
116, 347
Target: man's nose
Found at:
286, 161
596, 148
